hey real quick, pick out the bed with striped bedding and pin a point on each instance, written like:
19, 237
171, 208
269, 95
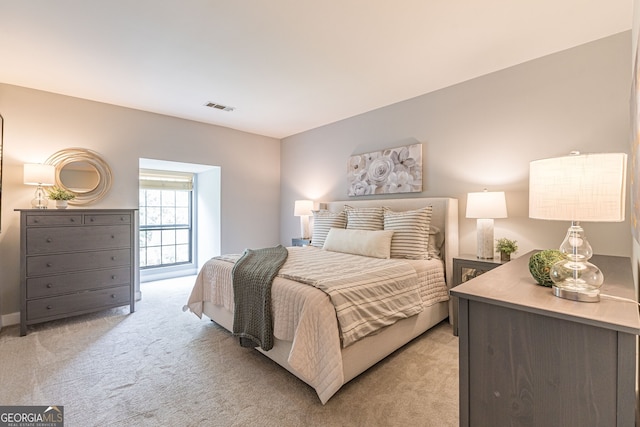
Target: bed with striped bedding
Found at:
329, 323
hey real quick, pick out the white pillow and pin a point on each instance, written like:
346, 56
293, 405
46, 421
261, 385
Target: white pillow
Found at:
375, 244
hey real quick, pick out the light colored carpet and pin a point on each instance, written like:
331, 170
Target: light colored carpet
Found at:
163, 367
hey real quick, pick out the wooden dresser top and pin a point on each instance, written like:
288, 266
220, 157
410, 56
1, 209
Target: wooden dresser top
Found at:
511, 285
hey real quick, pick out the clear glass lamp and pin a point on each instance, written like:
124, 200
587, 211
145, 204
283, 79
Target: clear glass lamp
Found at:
578, 187
40, 175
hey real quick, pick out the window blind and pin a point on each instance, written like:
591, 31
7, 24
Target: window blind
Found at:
165, 180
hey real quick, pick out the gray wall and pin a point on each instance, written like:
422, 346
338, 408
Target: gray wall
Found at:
37, 124
483, 133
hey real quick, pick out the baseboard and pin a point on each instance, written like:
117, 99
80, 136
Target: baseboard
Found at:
10, 319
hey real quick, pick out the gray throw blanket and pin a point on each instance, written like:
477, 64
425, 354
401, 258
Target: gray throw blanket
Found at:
252, 276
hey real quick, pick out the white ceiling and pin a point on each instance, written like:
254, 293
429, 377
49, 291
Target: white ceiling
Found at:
285, 65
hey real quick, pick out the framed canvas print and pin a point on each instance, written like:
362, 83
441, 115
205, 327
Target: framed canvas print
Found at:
394, 170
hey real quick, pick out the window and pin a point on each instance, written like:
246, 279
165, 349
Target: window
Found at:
166, 212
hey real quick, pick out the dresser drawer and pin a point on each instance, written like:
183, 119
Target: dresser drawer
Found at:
70, 239
66, 283
78, 303
107, 219
44, 220
66, 263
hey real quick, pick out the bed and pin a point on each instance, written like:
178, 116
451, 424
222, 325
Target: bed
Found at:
309, 340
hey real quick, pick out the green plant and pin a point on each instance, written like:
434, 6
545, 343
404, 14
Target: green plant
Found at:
57, 193
506, 246
540, 265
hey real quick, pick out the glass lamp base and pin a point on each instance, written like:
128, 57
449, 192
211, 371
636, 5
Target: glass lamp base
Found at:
582, 296
39, 204
40, 200
576, 280
574, 277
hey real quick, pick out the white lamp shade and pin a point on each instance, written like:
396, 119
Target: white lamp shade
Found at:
486, 204
39, 174
578, 187
303, 208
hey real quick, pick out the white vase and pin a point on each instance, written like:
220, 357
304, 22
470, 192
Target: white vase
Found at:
61, 204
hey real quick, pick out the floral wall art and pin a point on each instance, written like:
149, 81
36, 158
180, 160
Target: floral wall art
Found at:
394, 170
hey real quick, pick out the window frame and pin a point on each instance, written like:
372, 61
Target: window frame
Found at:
176, 269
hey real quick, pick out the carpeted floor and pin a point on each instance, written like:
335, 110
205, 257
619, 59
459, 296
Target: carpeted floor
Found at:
161, 366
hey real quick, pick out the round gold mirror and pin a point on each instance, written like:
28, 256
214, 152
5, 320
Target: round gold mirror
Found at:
79, 177
82, 172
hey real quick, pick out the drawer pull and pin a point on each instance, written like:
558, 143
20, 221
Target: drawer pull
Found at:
113, 258
35, 221
49, 264
49, 285
91, 219
49, 240
113, 237
113, 277
113, 295
49, 307
72, 219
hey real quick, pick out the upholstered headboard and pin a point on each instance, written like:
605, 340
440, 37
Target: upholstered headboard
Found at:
444, 216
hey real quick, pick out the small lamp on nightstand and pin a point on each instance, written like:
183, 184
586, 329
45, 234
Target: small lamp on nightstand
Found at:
40, 175
578, 187
303, 209
485, 206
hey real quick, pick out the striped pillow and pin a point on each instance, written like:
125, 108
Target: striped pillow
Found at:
436, 239
323, 220
410, 232
365, 218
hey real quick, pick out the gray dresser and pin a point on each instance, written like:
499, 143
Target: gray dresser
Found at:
76, 261
528, 358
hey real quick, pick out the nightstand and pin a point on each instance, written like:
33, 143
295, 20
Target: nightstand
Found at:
530, 358
466, 267
299, 241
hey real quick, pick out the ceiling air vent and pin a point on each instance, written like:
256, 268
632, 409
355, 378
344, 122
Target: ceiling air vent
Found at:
219, 106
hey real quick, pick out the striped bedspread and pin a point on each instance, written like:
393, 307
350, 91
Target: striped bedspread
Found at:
367, 293
304, 315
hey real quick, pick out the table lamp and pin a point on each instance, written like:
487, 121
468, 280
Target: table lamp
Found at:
485, 206
578, 187
40, 175
303, 208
